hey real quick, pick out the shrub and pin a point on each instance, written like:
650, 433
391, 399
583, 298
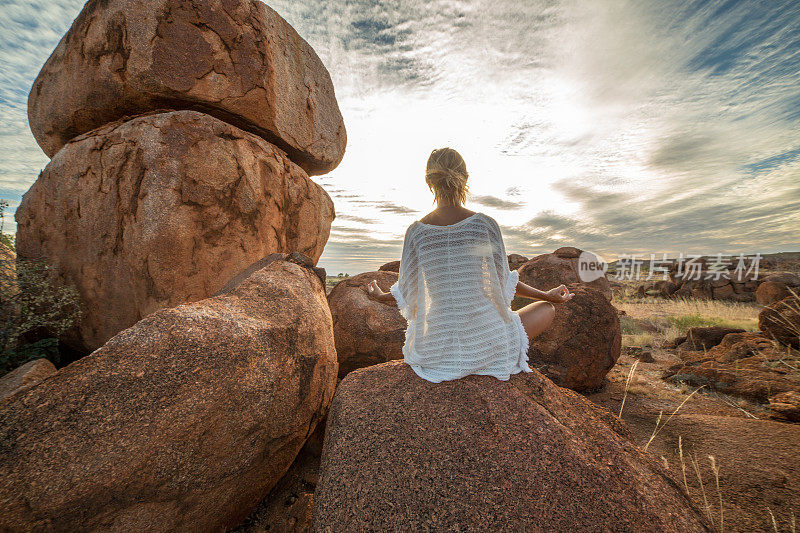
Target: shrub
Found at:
32, 302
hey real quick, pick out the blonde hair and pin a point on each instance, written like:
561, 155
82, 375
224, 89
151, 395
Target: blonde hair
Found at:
446, 175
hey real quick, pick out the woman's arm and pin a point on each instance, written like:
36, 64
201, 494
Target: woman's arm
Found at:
375, 292
557, 295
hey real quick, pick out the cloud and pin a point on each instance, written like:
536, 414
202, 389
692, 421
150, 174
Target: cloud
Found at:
493, 201
615, 125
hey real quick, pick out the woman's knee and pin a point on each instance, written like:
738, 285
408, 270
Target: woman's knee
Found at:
549, 311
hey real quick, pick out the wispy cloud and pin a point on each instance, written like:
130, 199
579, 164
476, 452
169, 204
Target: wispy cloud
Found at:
616, 125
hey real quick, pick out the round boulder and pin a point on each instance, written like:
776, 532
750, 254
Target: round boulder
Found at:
161, 210
367, 331
781, 321
769, 292
391, 266
583, 342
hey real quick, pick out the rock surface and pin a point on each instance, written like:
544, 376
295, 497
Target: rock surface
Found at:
288, 506
183, 422
703, 338
25, 376
391, 266
742, 364
367, 331
770, 292
8, 270
781, 321
480, 454
161, 210
235, 59
786, 405
546, 271
582, 343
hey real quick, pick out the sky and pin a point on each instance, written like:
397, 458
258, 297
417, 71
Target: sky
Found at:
620, 127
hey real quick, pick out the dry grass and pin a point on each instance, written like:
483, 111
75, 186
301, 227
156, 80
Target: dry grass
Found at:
651, 322
658, 428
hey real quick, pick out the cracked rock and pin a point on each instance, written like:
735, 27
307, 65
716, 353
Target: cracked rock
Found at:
237, 60
164, 209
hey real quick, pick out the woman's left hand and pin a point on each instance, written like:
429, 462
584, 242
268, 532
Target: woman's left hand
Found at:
373, 291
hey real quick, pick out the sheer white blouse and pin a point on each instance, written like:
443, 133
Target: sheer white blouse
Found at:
455, 290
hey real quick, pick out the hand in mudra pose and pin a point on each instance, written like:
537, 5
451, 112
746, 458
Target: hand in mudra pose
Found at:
376, 293
559, 295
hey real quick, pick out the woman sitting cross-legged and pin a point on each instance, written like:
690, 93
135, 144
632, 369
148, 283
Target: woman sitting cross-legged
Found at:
455, 288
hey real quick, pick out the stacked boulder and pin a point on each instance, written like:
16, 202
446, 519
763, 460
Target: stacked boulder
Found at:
182, 137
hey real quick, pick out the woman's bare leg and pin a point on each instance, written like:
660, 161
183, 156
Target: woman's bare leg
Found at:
536, 317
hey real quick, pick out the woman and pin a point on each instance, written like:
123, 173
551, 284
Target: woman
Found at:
455, 288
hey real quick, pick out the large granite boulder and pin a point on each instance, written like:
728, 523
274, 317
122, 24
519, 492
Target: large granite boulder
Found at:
25, 376
546, 271
161, 210
583, 342
480, 454
183, 422
781, 321
235, 59
367, 331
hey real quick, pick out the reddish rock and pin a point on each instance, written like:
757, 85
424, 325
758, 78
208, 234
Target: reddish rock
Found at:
743, 297
547, 271
703, 338
787, 278
25, 376
237, 60
770, 292
392, 266
515, 261
161, 210
568, 252
702, 293
480, 454
367, 331
724, 292
742, 364
786, 405
583, 342
183, 422
781, 321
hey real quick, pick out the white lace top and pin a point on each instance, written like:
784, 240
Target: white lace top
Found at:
455, 289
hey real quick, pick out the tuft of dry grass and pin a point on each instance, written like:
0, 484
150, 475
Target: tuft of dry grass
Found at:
658, 420
627, 384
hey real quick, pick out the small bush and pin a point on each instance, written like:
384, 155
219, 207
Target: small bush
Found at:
32, 302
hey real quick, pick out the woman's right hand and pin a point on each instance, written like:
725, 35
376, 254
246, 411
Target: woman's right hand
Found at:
559, 295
